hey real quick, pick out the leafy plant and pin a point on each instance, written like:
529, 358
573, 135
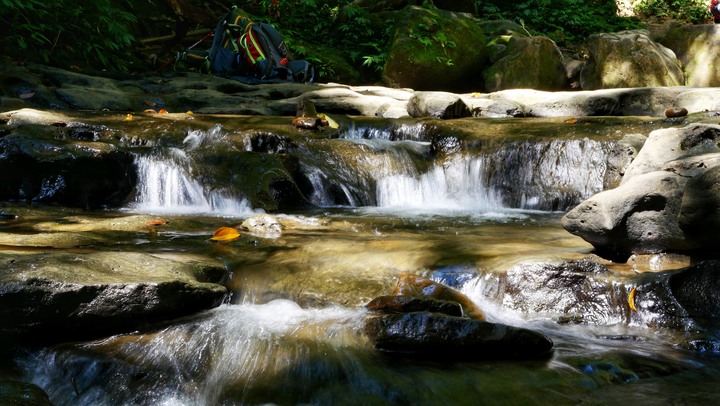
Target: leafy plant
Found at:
65, 31
693, 11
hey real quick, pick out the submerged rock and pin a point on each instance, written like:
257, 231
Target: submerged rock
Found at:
418, 286
431, 335
407, 304
18, 393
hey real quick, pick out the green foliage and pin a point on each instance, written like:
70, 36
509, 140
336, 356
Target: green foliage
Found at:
337, 24
66, 32
576, 19
693, 11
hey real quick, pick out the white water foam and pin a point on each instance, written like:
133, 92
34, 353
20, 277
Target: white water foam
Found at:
164, 187
455, 185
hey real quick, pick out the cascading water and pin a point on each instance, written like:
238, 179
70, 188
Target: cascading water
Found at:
166, 183
292, 332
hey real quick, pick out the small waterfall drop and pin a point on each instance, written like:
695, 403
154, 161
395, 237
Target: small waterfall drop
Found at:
457, 184
167, 184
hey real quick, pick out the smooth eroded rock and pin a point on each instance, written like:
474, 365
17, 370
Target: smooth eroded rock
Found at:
431, 335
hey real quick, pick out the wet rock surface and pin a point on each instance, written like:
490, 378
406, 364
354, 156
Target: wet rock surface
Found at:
60, 297
430, 335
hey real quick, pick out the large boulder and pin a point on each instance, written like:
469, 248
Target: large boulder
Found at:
528, 62
629, 59
638, 217
436, 50
696, 47
670, 144
64, 296
62, 162
667, 200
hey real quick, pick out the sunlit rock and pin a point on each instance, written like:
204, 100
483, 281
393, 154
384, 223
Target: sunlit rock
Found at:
640, 216
418, 286
695, 46
669, 144
263, 225
67, 296
437, 104
528, 63
629, 59
431, 335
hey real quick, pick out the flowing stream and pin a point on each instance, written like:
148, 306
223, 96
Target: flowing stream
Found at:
484, 219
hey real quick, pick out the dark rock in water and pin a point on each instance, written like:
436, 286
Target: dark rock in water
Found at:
63, 297
7, 216
696, 289
407, 304
674, 112
21, 393
454, 338
419, 286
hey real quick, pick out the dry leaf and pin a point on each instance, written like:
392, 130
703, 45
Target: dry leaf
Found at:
571, 121
631, 299
225, 234
156, 222
128, 117
163, 111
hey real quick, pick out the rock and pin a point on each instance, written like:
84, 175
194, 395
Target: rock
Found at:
695, 47
49, 164
417, 286
638, 217
407, 304
18, 393
700, 210
696, 287
669, 144
263, 225
530, 63
437, 104
422, 59
629, 59
64, 296
674, 112
437, 336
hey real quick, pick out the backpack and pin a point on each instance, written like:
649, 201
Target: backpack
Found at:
249, 51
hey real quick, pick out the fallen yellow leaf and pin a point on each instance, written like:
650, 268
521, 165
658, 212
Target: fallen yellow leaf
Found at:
225, 234
571, 121
128, 117
631, 299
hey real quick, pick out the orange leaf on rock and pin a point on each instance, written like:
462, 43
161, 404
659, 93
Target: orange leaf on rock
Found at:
162, 111
631, 299
225, 234
156, 222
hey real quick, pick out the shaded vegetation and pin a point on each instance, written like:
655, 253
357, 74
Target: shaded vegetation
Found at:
102, 33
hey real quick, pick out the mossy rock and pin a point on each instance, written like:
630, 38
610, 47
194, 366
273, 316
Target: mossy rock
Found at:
436, 50
530, 63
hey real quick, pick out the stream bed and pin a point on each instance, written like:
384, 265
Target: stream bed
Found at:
479, 214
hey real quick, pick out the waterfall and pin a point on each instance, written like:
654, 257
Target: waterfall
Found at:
457, 184
166, 187
167, 184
